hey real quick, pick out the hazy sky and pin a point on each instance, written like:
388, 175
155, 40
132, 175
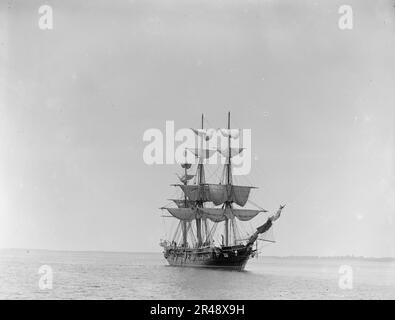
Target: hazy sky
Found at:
76, 100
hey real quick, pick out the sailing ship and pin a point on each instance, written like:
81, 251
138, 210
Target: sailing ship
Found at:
198, 221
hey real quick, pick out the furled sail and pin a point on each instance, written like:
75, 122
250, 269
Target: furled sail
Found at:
184, 178
202, 153
206, 134
233, 152
186, 165
220, 193
186, 214
233, 133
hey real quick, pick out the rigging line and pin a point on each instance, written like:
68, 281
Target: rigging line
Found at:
242, 230
170, 229
213, 229
191, 232
177, 237
223, 174
213, 173
208, 236
218, 174
246, 176
207, 231
205, 228
176, 193
239, 180
208, 123
249, 180
255, 204
165, 233
165, 206
175, 234
234, 229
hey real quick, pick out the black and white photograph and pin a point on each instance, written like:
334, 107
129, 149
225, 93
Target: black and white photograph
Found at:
197, 150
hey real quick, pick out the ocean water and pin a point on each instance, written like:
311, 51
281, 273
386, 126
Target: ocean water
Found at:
106, 275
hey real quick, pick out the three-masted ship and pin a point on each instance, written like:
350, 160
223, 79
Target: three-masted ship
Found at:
203, 206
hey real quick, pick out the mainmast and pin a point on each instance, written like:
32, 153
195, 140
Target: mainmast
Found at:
201, 181
229, 174
228, 204
184, 223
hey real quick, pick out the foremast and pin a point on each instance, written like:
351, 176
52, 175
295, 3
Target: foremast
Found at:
200, 182
184, 225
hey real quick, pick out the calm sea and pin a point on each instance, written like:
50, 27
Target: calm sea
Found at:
106, 275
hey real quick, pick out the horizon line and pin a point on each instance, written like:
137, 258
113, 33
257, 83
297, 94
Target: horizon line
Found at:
350, 256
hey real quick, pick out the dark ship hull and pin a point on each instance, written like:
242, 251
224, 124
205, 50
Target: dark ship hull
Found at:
229, 258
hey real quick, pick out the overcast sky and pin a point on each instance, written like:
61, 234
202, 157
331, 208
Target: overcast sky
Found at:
75, 102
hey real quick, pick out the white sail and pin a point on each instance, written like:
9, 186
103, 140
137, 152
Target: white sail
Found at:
184, 178
206, 134
202, 153
233, 133
233, 152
